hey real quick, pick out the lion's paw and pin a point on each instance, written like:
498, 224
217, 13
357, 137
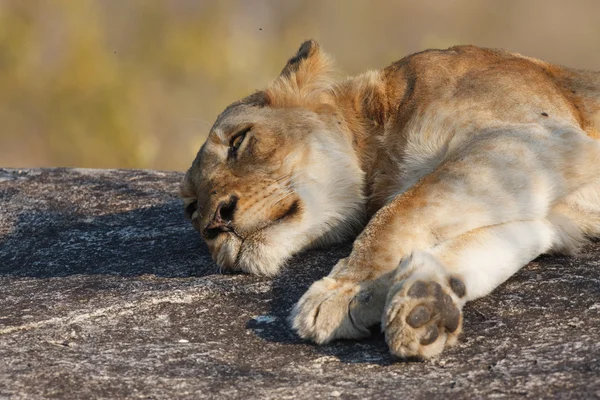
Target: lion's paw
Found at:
337, 309
423, 313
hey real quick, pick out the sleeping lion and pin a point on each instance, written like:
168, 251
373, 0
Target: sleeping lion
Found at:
451, 168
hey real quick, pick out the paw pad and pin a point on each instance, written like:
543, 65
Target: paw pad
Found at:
423, 314
449, 313
442, 305
418, 290
457, 286
418, 317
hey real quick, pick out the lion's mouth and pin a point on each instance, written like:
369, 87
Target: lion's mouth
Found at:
227, 245
292, 210
212, 233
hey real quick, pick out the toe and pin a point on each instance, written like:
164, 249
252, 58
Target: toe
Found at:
450, 314
418, 290
457, 286
418, 317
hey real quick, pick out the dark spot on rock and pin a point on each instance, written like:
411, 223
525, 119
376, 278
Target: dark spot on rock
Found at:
418, 290
430, 335
545, 114
458, 287
418, 317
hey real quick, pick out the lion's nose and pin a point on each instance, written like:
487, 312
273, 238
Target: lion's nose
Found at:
222, 218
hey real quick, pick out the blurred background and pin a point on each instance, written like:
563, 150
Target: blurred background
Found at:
138, 83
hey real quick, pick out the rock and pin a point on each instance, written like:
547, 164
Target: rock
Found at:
107, 291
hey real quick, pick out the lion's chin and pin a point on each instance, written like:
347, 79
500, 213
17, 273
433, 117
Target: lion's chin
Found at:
259, 254
225, 249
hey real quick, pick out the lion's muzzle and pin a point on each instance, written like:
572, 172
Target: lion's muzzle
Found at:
222, 218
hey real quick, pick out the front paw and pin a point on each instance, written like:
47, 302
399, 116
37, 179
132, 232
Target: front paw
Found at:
423, 311
338, 309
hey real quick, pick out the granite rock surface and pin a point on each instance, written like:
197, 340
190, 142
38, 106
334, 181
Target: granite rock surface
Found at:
106, 291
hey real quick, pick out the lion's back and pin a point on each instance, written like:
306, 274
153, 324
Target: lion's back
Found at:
493, 84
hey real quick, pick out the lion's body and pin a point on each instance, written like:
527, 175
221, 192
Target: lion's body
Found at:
467, 163
438, 99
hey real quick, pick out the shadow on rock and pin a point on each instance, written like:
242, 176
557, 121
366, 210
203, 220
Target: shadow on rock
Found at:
551, 288
289, 286
152, 240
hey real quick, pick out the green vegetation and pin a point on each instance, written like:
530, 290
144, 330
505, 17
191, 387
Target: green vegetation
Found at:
138, 83
98, 84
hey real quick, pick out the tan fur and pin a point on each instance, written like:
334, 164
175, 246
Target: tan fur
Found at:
449, 156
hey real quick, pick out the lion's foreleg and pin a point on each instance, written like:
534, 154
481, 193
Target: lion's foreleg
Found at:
423, 312
514, 174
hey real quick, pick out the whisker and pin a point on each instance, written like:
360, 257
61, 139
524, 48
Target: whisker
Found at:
281, 190
285, 196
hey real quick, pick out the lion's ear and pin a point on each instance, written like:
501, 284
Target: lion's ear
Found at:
306, 80
307, 50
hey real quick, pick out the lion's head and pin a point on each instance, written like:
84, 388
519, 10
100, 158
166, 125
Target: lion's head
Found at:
278, 172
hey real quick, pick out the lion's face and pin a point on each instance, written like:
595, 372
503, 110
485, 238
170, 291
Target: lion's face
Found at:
272, 180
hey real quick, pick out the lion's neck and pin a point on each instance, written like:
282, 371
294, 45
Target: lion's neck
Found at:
364, 106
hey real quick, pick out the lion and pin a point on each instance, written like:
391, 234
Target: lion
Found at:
451, 169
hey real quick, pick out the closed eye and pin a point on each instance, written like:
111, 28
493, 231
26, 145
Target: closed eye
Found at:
237, 140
